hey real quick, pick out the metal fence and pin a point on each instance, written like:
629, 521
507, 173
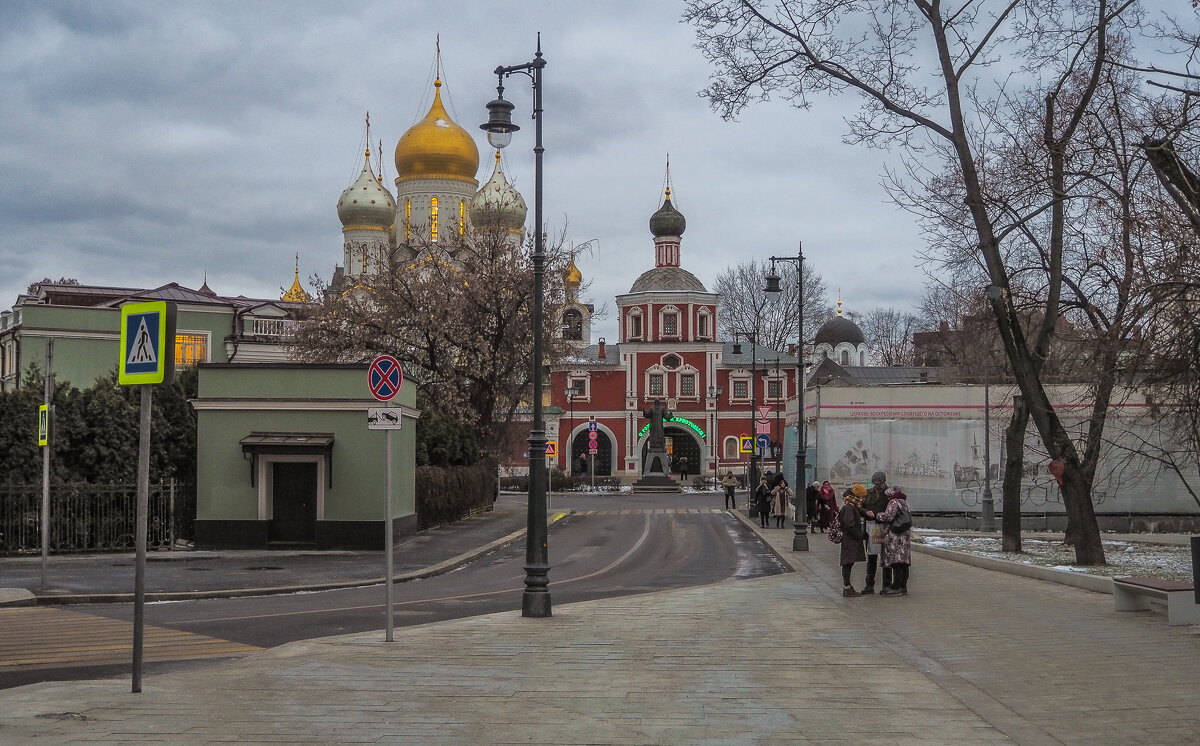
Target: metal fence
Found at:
93, 518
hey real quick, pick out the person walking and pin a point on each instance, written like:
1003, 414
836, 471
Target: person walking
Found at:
730, 484
762, 501
853, 533
897, 547
781, 499
874, 503
827, 506
812, 494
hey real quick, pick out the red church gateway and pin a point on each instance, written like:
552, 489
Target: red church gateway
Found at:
668, 351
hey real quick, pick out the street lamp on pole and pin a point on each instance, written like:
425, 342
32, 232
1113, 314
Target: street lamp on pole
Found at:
714, 396
535, 601
752, 478
569, 442
987, 521
800, 536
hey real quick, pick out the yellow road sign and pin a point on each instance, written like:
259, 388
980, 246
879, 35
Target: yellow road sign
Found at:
552, 450
43, 424
747, 444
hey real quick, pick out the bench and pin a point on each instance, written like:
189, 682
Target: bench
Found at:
1134, 594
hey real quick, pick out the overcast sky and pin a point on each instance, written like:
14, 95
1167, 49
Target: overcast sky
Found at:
143, 143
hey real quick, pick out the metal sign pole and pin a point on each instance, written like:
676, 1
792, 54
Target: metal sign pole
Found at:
387, 535
139, 577
46, 464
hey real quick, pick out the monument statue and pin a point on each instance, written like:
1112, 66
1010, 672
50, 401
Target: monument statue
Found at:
657, 414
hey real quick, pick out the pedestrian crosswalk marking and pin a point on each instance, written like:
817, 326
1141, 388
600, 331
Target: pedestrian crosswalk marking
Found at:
41, 637
652, 511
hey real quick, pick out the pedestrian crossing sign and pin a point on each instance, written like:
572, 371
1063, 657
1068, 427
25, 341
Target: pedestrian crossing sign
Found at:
147, 343
43, 424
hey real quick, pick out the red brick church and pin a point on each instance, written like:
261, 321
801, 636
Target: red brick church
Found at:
668, 350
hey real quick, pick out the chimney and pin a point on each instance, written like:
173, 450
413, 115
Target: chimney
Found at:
791, 349
600, 349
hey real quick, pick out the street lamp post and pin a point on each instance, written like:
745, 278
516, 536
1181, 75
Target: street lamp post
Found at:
752, 478
777, 447
535, 601
987, 521
569, 441
714, 396
800, 536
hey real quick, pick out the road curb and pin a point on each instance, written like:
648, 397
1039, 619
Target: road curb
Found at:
1094, 583
426, 572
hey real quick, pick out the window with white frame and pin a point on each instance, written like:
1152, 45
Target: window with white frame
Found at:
845, 357
671, 362
687, 385
702, 320
741, 389
656, 384
191, 348
671, 324
774, 389
633, 326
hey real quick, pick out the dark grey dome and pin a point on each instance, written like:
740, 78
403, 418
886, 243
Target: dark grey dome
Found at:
667, 221
669, 278
838, 330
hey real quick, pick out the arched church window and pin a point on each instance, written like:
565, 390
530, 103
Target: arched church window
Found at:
572, 324
462, 217
407, 219
845, 357
671, 324
433, 220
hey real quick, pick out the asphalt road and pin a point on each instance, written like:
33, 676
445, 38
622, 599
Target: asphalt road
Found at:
608, 546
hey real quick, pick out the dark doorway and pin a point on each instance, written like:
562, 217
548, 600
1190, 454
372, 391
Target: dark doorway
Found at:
293, 502
603, 456
682, 444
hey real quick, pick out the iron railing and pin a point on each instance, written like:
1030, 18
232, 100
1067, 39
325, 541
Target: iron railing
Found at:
93, 518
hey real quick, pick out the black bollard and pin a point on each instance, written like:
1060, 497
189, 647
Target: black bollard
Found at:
1196, 567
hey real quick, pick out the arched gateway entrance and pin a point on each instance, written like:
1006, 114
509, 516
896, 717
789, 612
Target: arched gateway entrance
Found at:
603, 455
681, 444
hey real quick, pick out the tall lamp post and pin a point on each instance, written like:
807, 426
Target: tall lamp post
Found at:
535, 601
752, 478
987, 521
714, 396
569, 442
800, 536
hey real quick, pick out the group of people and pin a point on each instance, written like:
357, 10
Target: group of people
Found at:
866, 524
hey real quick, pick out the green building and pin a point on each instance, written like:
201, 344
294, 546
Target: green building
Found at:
285, 458
84, 322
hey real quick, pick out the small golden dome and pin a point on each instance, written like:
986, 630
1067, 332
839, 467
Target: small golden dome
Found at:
436, 147
296, 293
573, 276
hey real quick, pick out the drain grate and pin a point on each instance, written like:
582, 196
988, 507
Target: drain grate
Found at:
63, 716
264, 567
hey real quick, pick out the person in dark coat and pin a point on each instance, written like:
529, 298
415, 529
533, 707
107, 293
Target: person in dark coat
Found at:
812, 494
827, 506
853, 533
762, 501
875, 502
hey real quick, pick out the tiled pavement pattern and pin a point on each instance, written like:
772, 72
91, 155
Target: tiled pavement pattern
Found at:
969, 657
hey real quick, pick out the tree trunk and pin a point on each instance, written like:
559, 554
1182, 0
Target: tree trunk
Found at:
1081, 516
1014, 472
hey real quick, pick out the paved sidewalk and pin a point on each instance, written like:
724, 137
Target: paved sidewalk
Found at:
971, 656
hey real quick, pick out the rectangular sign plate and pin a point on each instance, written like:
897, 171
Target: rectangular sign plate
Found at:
384, 418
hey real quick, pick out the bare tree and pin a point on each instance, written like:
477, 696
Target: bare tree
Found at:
888, 332
457, 316
930, 79
746, 308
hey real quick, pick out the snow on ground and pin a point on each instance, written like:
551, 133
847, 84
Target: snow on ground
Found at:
1124, 557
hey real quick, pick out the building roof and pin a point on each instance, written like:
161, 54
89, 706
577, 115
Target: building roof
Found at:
837, 330
667, 278
590, 357
829, 373
104, 296
757, 354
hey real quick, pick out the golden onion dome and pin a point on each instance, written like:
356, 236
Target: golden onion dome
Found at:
436, 147
296, 293
573, 277
366, 203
